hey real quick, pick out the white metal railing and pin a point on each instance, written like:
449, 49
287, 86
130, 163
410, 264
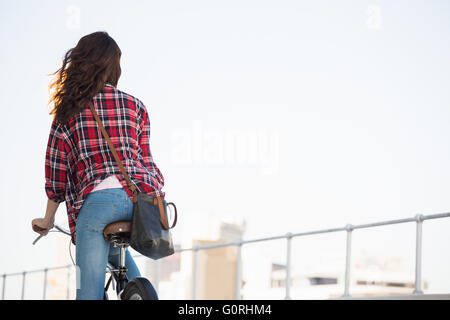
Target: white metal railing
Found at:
418, 219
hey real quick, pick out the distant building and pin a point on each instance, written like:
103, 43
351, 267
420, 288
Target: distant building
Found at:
369, 277
161, 270
61, 283
231, 231
216, 273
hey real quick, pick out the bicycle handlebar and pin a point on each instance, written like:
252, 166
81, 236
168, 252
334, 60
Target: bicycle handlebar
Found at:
62, 230
58, 228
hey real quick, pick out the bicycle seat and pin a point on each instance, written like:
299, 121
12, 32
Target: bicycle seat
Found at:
118, 231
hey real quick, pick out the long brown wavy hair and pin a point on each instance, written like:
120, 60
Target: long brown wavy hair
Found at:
85, 69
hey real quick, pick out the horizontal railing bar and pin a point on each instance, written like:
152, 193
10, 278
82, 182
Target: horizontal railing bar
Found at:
309, 233
231, 243
391, 222
383, 223
436, 216
34, 271
259, 240
299, 234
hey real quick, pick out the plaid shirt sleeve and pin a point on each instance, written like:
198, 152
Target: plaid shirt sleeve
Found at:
55, 164
144, 143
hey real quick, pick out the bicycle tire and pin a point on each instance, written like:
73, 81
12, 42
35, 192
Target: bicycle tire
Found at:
139, 289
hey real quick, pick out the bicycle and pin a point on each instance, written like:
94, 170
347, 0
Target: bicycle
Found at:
139, 288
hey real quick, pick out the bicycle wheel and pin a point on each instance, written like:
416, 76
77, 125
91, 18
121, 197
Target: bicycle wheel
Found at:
139, 289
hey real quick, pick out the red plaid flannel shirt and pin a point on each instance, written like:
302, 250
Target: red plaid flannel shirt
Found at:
78, 157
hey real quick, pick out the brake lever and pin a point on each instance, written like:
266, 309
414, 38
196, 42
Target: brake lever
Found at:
37, 228
37, 239
58, 228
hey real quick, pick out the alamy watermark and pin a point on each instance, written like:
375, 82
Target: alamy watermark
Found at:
374, 18
200, 145
73, 17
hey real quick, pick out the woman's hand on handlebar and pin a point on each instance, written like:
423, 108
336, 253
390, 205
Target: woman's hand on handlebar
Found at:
42, 225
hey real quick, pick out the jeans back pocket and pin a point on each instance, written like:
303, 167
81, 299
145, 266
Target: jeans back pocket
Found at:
100, 214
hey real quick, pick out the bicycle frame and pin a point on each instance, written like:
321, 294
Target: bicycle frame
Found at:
119, 274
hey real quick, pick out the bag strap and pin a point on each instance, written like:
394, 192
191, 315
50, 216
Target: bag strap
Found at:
116, 156
176, 214
157, 201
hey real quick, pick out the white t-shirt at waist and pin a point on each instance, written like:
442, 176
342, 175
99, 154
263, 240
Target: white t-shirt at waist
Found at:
109, 183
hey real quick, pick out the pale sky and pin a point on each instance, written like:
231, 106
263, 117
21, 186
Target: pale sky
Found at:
293, 115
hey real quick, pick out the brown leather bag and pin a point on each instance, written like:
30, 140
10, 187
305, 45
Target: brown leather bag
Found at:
148, 237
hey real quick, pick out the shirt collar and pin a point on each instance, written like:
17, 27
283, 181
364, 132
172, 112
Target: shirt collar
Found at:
109, 85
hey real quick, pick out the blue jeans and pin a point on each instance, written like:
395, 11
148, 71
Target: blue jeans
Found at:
92, 252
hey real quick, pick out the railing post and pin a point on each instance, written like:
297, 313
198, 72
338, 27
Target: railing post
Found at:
238, 271
68, 282
349, 229
288, 266
45, 284
194, 277
3, 286
418, 279
23, 284
157, 275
